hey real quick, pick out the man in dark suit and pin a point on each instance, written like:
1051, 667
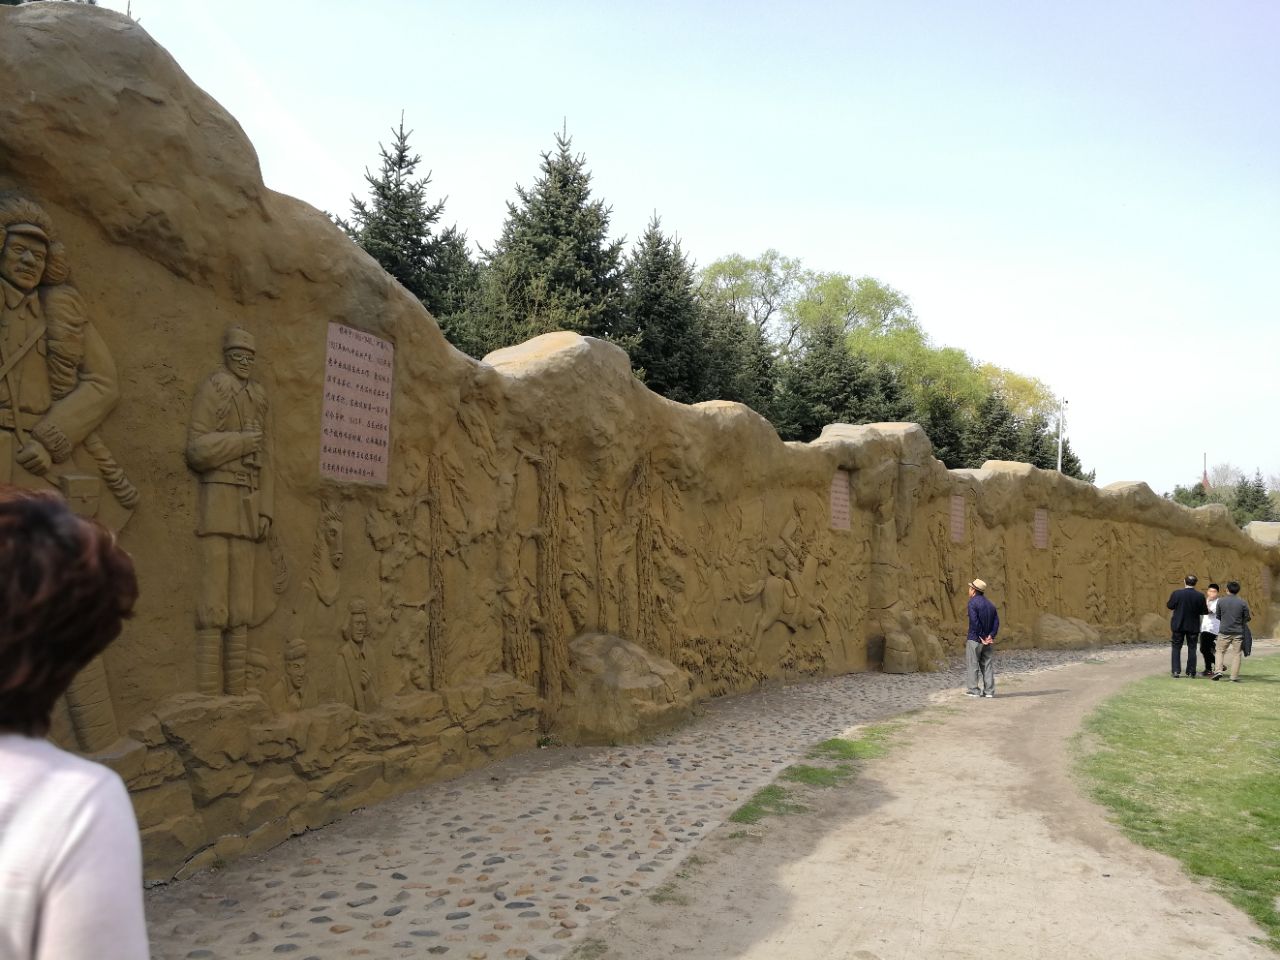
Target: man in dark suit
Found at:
1188, 606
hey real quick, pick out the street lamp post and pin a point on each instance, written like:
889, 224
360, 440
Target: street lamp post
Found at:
1062, 415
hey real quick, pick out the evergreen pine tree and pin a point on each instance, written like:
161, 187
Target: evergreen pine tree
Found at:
823, 382
396, 226
943, 421
993, 433
1251, 501
554, 267
1037, 443
1071, 465
738, 360
660, 320
890, 402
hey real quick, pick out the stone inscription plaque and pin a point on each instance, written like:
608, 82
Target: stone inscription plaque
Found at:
1040, 530
840, 507
355, 434
957, 519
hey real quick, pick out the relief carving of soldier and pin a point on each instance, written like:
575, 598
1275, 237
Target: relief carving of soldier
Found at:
357, 674
228, 446
57, 379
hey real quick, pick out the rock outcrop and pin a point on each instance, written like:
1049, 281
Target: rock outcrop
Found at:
617, 691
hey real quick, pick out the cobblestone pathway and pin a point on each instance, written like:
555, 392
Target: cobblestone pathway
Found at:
517, 859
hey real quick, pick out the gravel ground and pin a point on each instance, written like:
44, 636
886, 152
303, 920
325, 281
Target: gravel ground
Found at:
520, 858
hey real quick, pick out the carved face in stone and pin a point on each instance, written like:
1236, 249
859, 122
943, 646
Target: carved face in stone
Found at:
296, 670
22, 259
332, 527
359, 626
240, 362
255, 673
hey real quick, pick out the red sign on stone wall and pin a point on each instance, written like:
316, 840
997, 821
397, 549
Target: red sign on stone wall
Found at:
957, 519
840, 506
355, 431
1040, 530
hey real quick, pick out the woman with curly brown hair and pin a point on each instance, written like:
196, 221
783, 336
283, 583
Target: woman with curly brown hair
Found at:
70, 859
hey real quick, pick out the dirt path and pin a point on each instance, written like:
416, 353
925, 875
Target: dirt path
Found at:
969, 839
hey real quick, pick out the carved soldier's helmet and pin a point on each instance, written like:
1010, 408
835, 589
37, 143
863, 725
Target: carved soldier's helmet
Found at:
238, 338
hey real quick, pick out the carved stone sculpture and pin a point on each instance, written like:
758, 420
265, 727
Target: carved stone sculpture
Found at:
57, 379
327, 553
229, 448
57, 384
357, 674
294, 691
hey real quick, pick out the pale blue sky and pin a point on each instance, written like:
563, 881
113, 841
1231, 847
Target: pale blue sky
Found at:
1085, 192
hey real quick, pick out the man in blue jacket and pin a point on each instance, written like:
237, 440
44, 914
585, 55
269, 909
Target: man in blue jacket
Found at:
979, 648
1188, 606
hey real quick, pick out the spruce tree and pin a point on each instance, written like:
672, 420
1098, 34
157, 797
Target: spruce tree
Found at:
554, 266
823, 382
993, 433
738, 361
660, 320
1038, 442
1251, 501
396, 226
889, 402
943, 421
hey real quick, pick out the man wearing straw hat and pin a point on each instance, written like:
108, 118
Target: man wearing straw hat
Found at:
979, 648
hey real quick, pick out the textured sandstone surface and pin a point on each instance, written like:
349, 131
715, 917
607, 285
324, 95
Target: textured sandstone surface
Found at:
389, 635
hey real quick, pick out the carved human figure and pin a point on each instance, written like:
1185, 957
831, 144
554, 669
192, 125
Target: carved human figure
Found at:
357, 675
228, 446
327, 553
257, 668
57, 379
293, 691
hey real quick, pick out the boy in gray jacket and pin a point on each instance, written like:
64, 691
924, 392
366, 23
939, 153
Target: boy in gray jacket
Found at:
1233, 614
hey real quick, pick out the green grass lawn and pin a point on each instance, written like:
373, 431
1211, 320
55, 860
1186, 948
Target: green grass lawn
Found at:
1192, 768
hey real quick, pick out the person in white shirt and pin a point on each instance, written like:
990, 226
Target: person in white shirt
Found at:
70, 857
1209, 626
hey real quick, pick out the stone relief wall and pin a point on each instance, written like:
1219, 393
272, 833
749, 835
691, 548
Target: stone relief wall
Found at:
353, 585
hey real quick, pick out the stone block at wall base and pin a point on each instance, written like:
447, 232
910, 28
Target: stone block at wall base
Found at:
619, 691
899, 653
214, 778
1153, 626
1065, 633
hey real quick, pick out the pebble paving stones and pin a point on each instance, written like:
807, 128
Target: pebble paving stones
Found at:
517, 859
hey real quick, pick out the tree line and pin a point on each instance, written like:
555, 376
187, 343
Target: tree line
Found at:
803, 348
1248, 498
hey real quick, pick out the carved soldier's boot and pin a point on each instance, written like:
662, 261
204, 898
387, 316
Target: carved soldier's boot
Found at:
209, 661
237, 654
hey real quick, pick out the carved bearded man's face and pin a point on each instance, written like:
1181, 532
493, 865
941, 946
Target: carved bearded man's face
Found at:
22, 259
297, 671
